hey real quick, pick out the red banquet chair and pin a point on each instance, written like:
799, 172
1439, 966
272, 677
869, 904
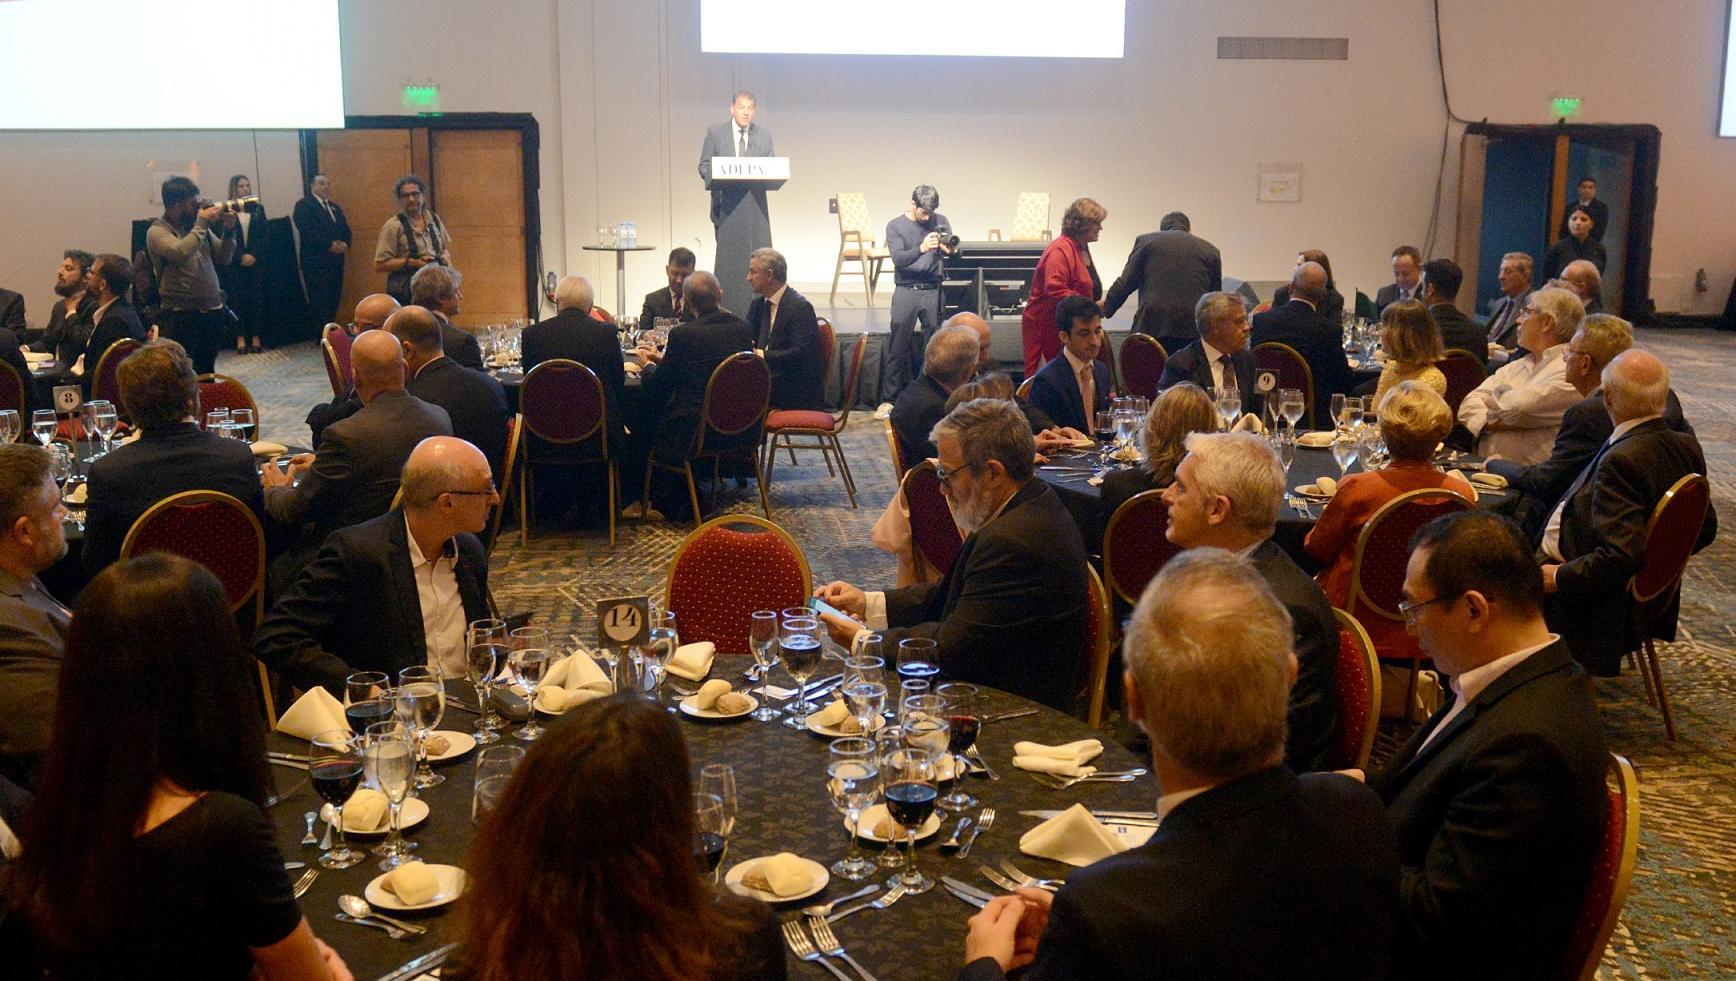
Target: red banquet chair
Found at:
784, 426
1134, 547
336, 341
14, 394
1142, 361
1464, 373
1358, 672
514, 443
1607, 888
1671, 534
223, 392
726, 569
1293, 372
932, 528
105, 384
898, 469
735, 404
563, 405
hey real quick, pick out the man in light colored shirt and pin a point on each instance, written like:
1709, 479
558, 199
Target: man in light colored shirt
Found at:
1516, 412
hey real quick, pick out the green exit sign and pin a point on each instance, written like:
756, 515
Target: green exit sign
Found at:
1562, 107
421, 97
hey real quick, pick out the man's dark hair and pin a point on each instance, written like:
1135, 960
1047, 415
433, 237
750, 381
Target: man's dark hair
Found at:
925, 197
1175, 221
1410, 250
1072, 309
1588, 179
80, 256
406, 181
681, 257
23, 469
116, 271
158, 385
1482, 551
178, 189
739, 95
1445, 277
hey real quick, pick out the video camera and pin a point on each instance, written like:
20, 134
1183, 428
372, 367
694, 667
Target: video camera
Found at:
234, 204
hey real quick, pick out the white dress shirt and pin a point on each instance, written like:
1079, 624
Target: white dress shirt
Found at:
1528, 397
1551, 544
442, 608
1466, 687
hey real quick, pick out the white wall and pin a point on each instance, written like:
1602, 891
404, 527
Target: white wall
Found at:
623, 98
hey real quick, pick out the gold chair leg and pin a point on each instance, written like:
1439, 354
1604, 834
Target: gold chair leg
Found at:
1663, 699
844, 468
765, 503
693, 493
523, 496
613, 478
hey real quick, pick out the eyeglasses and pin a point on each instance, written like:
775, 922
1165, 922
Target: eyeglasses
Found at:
945, 475
1409, 609
490, 492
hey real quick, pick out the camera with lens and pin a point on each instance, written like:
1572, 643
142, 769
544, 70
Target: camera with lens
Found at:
947, 238
234, 204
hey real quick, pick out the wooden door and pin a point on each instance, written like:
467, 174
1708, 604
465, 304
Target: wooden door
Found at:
479, 190
363, 164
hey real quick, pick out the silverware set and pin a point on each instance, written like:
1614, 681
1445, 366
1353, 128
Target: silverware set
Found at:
303, 884
1301, 506
893, 895
1004, 716
802, 947
1101, 776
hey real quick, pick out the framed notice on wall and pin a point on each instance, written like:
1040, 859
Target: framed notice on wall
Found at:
1279, 182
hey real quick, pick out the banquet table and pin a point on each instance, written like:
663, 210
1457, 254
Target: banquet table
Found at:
783, 806
512, 379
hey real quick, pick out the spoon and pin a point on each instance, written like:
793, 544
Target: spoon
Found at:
825, 909
358, 907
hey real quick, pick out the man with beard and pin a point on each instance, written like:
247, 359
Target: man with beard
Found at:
69, 320
33, 624
1011, 612
185, 253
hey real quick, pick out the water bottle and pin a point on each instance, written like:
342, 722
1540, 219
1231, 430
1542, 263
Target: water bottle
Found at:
627, 235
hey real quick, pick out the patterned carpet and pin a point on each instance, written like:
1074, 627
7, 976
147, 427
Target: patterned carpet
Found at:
1679, 915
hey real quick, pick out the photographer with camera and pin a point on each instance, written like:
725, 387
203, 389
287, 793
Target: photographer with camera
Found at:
412, 238
919, 240
185, 254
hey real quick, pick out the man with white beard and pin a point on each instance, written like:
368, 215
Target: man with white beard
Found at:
1011, 611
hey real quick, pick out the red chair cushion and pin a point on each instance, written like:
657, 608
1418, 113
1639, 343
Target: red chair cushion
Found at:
1353, 690
721, 576
218, 536
798, 419
1464, 373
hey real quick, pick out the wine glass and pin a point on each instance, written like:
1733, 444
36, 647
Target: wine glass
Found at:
246, 429
388, 760
104, 419
1286, 448
762, 638
217, 422
10, 426
867, 700
963, 718
1351, 415
1229, 403
853, 779
1290, 406
910, 797
494, 766
43, 423
334, 767
528, 667
364, 701
718, 780
1344, 452
421, 704
908, 689
918, 658
659, 650
799, 648
710, 833
1337, 408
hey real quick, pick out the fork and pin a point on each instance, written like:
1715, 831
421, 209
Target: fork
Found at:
1031, 880
303, 884
893, 895
802, 947
1101, 776
985, 821
997, 877
828, 943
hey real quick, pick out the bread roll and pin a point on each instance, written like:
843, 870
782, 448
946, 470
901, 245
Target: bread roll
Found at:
709, 693
365, 811
414, 883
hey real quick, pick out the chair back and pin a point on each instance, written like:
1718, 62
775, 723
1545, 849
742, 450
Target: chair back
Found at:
1383, 549
725, 570
13, 393
334, 375
853, 216
847, 394
1292, 369
1464, 373
1365, 308
1024, 391
105, 384
514, 440
1671, 533
223, 392
1097, 620
1031, 217
1358, 671
1606, 890
828, 349
898, 469
1134, 547
932, 528
340, 341
1142, 361
562, 401
736, 398
1106, 354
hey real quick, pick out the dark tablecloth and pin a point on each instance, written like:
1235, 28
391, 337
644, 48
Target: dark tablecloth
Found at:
512, 379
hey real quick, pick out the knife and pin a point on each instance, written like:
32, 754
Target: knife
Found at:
1122, 817
967, 890
966, 897
289, 763
420, 965
1004, 716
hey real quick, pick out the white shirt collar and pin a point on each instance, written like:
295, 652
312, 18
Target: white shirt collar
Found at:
1470, 684
1213, 355
1078, 365
1622, 429
1298, 299
777, 299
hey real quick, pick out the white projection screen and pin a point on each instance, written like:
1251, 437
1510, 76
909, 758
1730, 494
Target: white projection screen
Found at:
981, 28
159, 64
1727, 98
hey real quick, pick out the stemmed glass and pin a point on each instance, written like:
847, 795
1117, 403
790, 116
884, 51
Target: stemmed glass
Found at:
963, 718
388, 759
910, 797
1344, 451
528, 667
1229, 404
245, 427
1351, 416
853, 779
364, 700
1290, 406
717, 780
104, 419
335, 769
867, 700
10, 426
484, 649
659, 650
1337, 406
421, 703
43, 423
918, 658
217, 422
799, 647
1286, 447
710, 833
494, 766
762, 638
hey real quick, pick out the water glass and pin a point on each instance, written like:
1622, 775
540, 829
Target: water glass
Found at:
389, 762
106, 420
11, 426
918, 657
1337, 409
420, 699
528, 667
1229, 403
1286, 448
486, 647
1290, 406
867, 700
762, 639
853, 780
43, 423
217, 421
494, 766
799, 648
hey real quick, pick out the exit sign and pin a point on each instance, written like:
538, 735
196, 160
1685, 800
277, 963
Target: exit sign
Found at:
1562, 107
422, 98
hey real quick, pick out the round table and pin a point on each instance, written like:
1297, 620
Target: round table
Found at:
620, 270
783, 806
512, 379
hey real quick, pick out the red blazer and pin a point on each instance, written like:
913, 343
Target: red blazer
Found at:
1064, 270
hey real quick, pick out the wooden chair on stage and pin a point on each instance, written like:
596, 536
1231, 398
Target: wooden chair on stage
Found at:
1030, 219
858, 243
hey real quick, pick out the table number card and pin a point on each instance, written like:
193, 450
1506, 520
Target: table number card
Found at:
623, 622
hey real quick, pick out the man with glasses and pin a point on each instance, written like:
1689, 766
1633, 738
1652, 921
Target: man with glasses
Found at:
1515, 412
395, 591
1498, 799
33, 624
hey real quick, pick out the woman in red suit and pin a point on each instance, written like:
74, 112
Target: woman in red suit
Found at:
1065, 269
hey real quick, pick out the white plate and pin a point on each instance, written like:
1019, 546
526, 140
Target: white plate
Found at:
451, 886
412, 813
1317, 440
689, 707
732, 879
874, 815
1313, 492
460, 743
832, 732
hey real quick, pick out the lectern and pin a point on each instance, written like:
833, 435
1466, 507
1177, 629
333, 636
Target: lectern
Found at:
738, 213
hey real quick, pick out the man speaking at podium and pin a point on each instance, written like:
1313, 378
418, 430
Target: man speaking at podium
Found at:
738, 214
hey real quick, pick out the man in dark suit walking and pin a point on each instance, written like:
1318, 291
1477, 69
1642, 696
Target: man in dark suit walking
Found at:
1407, 278
1441, 281
738, 213
109, 282
1253, 871
788, 333
665, 302
1595, 541
324, 238
1300, 325
1074, 387
435, 287
1171, 269
473, 399
1498, 799
1219, 356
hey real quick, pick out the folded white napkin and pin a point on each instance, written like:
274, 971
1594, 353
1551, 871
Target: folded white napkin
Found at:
1068, 760
572, 681
1319, 439
313, 713
693, 661
1488, 479
1074, 837
1248, 423
39, 357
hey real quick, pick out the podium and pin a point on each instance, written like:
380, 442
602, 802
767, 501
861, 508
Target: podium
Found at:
761, 173
738, 187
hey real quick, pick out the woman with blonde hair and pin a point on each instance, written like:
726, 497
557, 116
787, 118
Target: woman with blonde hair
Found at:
1178, 411
1065, 269
1412, 341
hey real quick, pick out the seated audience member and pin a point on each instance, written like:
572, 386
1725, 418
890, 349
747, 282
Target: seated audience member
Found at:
553, 846
788, 334
148, 852
1441, 281
171, 455
1255, 871
1586, 282
1576, 244
1498, 799
1300, 325
666, 303
1516, 412
1584, 428
372, 311
473, 399
1407, 278
1073, 388
1595, 541
996, 385
1011, 612
1332, 308
1412, 342
1226, 494
949, 361
1515, 279
32, 623
1220, 357
394, 591
572, 333
109, 282
12, 312
12, 354
1178, 412
69, 322
985, 335
435, 287
354, 476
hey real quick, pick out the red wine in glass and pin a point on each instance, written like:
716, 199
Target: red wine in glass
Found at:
910, 802
961, 732
335, 780
364, 714
708, 848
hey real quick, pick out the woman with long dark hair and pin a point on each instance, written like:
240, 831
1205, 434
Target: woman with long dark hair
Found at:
243, 276
147, 852
1332, 308
585, 867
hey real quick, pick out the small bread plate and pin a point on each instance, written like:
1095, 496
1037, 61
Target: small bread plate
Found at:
1084, 444
733, 878
833, 732
690, 707
413, 812
450, 878
457, 744
872, 817
1313, 492
1320, 439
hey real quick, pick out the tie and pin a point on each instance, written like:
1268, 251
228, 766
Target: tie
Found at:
771, 320
1087, 394
329, 212
740, 142
1229, 371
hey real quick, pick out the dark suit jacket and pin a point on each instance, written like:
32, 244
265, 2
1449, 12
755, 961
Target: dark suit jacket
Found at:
355, 608
318, 230
792, 351
1313, 713
674, 392
1387, 295
1603, 529
1332, 309
355, 473
1011, 612
659, 303
119, 321
920, 405
1320, 342
10, 353
1231, 886
1055, 390
475, 402
720, 142
1504, 320
66, 335
1497, 820
573, 335
1171, 271
1569, 249
460, 345
162, 462
33, 629
1189, 365
12, 312
1460, 331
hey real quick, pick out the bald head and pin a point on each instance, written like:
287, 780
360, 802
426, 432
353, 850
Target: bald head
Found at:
1635, 385
373, 311
702, 292
1585, 279
574, 293
446, 484
1308, 282
978, 324
416, 327
378, 361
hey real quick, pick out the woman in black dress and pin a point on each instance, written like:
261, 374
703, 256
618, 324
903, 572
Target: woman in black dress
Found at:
1577, 244
243, 277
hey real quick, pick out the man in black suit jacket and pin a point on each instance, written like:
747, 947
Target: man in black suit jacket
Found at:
1597, 533
1587, 201
1058, 390
110, 280
1498, 800
572, 333
11, 352
12, 312
1011, 612
788, 332
1253, 871
1515, 279
33, 624
171, 455
435, 287
666, 302
1300, 325
1407, 278
949, 361
360, 605
371, 313
1441, 281
1223, 325
1171, 269
324, 238
739, 217
473, 399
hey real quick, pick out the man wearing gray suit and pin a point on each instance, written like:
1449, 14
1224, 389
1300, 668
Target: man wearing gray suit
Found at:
33, 624
738, 214
1515, 278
